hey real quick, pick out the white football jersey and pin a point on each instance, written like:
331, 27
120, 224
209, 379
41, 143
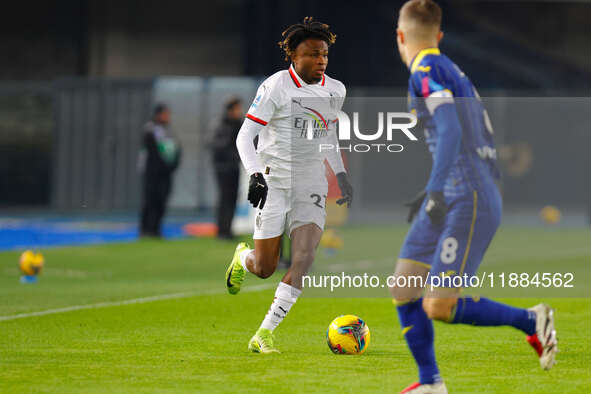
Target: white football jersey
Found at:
298, 117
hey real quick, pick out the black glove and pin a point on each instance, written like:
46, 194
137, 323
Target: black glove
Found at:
415, 204
436, 208
257, 190
346, 189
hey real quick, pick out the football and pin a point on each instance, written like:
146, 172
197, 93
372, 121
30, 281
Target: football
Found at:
550, 214
31, 263
348, 334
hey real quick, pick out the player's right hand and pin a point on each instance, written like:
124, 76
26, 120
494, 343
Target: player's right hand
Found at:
257, 190
414, 205
436, 207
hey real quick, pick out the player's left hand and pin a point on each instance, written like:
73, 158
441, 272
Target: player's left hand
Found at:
436, 207
346, 189
414, 205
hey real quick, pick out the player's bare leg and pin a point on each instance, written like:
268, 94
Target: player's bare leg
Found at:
439, 303
408, 269
305, 240
261, 261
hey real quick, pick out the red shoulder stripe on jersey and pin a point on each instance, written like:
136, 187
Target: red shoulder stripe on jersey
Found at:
294, 79
322, 80
255, 119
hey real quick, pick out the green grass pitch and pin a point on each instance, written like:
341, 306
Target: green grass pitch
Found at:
197, 340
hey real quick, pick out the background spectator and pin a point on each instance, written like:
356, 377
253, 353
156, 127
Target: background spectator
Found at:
159, 158
226, 163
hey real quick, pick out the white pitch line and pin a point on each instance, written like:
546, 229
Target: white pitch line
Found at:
141, 300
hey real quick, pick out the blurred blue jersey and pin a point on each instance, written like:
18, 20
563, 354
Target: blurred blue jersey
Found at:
459, 135
435, 81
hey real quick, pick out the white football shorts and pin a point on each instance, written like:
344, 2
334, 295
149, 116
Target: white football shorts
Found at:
288, 209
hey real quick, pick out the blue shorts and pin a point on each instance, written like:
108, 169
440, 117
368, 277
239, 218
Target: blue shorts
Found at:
457, 246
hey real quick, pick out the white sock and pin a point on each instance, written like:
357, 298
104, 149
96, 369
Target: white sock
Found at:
285, 297
243, 255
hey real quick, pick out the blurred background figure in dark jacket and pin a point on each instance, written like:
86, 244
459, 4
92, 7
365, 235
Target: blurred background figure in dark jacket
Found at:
226, 163
159, 158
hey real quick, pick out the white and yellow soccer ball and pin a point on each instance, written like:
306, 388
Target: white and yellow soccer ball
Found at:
31, 263
348, 334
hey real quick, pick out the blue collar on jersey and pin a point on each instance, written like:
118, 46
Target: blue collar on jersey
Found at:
414, 64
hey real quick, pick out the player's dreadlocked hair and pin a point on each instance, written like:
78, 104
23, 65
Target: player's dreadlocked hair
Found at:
294, 34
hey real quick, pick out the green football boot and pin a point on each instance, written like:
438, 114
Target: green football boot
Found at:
262, 342
235, 273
